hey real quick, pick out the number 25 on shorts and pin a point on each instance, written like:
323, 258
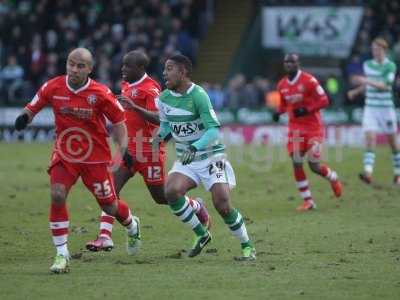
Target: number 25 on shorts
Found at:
102, 189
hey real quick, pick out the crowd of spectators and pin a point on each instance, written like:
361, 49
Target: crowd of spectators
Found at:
36, 36
240, 93
310, 2
260, 93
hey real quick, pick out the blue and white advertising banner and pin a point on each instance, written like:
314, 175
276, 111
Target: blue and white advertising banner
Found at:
313, 31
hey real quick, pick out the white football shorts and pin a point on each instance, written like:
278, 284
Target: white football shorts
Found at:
215, 169
379, 120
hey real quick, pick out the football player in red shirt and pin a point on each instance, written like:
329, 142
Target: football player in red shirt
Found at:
138, 94
80, 106
302, 97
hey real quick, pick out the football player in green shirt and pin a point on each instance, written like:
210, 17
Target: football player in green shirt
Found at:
379, 111
186, 112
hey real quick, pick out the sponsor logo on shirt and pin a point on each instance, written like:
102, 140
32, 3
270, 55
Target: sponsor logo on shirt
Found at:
65, 98
294, 98
134, 92
77, 112
185, 129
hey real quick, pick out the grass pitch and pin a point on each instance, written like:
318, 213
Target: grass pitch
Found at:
348, 249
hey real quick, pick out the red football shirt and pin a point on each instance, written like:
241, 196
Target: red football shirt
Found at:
143, 93
303, 91
80, 118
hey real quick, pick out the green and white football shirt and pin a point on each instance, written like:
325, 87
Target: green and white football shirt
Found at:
385, 73
189, 115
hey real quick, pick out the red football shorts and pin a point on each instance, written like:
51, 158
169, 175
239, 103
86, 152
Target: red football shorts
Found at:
301, 143
150, 166
96, 177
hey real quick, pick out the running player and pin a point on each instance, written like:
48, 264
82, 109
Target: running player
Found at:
302, 97
187, 114
80, 106
138, 93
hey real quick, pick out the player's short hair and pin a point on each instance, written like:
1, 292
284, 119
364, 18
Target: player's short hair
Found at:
381, 42
183, 61
293, 54
140, 58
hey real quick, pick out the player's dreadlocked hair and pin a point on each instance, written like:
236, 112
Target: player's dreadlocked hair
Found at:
184, 61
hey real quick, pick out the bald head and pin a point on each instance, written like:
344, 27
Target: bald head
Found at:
79, 66
134, 65
82, 54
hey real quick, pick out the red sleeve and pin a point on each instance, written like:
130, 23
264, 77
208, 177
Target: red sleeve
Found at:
151, 95
40, 100
319, 99
151, 102
282, 103
111, 108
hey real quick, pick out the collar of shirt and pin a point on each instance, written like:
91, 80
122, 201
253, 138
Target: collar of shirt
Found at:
139, 81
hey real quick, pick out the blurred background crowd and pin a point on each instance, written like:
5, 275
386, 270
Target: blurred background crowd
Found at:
37, 35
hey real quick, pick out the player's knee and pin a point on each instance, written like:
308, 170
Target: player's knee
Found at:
297, 158
160, 199
118, 187
158, 194
173, 192
315, 168
58, 193
110, 209
297, 162
223, 209
222, 206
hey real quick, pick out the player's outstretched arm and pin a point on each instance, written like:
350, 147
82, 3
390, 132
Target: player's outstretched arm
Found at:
151, 116
163, 135
23, 119
281, 109
121, 141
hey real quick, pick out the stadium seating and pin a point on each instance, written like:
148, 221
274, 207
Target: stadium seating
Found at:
32, 49
37, 35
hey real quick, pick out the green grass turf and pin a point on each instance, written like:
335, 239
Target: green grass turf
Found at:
348, 249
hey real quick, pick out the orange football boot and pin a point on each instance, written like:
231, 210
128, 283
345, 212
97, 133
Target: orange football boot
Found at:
306, 205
